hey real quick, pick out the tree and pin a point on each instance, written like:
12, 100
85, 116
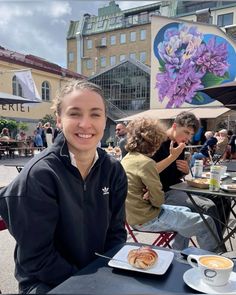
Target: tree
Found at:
22, 126
50, 119
10, 124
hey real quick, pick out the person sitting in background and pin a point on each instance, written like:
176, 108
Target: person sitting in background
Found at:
222, 142
150, 213
208, 147
5, 135
69, 201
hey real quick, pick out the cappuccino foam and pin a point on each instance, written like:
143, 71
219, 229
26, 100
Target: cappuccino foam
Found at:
215, 262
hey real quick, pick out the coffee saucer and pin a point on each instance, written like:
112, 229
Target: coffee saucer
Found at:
193, 279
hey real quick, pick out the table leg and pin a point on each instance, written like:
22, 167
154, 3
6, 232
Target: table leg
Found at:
220, 243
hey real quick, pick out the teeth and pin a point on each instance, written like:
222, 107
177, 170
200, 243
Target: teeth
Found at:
85, 135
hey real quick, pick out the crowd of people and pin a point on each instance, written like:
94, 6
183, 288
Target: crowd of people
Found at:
73, 198
220, 144
43, 137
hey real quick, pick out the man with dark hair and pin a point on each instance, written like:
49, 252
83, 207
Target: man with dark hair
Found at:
172, 166
121, 134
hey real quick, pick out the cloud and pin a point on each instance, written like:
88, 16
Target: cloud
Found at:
40, 27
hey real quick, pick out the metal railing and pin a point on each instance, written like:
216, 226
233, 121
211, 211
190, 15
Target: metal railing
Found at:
114, 112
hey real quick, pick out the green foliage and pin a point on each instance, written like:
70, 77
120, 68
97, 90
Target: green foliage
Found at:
10, 124
50, 119
22, 126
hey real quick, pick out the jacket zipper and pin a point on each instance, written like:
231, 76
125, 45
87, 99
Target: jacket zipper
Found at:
85, 187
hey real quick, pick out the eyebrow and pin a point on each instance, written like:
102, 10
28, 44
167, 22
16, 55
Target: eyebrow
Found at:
79, 109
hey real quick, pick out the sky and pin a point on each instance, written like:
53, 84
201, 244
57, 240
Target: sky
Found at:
39, 27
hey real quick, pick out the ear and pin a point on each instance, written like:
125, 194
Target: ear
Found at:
174, 126
59, 122
105, 123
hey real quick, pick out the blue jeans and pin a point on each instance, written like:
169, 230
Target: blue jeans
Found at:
186, 223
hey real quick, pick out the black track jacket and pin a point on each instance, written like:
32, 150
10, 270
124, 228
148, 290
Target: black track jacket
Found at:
59, 220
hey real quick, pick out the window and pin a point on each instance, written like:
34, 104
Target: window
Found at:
132, 36
135, 19
100, 24
132, 55
16, 87
112, 21
71, 56
122, 38
112, 60
104, 41
143, 35
122, 57
103, 61
113, 40
225, 19
130, 19
143, 17
89, 64
89, 44
118, 19
89, 26
45, 91
143, 56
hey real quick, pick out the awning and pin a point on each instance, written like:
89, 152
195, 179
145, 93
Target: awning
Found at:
163, 114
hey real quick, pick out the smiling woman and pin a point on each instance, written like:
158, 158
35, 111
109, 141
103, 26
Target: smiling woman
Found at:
68, 188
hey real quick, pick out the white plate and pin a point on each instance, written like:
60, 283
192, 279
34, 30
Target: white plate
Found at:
193, 279
164, 260
227, 188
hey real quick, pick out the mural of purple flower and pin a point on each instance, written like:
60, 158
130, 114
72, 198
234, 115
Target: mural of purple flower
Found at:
181, 87
212, 58
185, 60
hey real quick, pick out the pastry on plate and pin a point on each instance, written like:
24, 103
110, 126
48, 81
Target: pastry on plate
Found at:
143, 257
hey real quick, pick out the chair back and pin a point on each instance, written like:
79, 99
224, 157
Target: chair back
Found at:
2, 224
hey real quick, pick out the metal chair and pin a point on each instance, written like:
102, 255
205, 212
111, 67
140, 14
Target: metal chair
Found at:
2, 224
163, 239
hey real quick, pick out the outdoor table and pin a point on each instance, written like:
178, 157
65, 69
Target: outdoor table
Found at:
99, 278
183, 186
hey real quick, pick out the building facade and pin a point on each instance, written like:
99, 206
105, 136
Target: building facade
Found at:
95, 43
47, 76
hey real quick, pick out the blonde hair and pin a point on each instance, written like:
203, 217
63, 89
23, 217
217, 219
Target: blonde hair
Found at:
145, 136
70, 86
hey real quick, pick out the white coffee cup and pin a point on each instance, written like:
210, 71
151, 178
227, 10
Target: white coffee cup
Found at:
215, 270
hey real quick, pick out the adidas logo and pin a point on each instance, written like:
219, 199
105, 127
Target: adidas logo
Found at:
105, 191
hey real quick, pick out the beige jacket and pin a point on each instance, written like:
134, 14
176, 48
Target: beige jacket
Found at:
142, 173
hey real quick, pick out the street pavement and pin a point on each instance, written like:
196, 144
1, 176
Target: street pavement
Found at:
8, 284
